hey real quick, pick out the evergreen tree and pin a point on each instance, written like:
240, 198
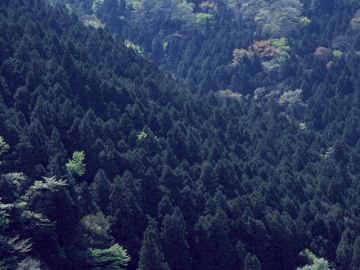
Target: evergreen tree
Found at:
173, 238
251, 262
101, 189
355, 262
164, 207
151, 255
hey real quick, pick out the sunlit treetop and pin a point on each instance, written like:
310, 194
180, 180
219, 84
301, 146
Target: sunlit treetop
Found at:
76, 165
355, 22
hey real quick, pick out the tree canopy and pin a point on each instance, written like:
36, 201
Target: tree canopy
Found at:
183, 134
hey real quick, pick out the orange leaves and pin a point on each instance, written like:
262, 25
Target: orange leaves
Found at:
265, 49
321, 52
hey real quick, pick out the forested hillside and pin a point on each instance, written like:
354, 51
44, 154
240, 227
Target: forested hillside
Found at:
236, 45
241, 152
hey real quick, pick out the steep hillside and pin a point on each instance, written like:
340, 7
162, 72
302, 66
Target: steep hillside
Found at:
101, 151
205, 42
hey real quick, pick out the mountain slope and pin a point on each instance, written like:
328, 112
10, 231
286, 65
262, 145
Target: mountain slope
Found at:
183, 181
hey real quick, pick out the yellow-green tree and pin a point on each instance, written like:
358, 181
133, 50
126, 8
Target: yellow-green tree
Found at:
315, 262
3, 146
76, 165
113, 258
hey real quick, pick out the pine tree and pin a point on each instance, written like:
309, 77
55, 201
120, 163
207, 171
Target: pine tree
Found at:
151, 255
150, 191
100, 189
355, 262
173, 236
164, 207
208, 177
4, 147
344, 249
251, 262
128, 220
57, 154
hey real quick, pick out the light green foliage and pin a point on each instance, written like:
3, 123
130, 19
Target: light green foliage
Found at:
142, 136
4, 147
96, 5
262, 17
204, 18
113, 258
76, 165
69, 8
93, 21
272, 52
184, 6
17, 180
315, 263
30, 215
183, 11
19, 245
247, 8
240, 54
328, 153
96, 223
319, 264
283, 49
227, 93
165, 45
48, 183
133, 46
308, 255
282, 45
337, 53
304, 20
355, 22
231, 3
290, 97
302, 126
275, 17
134, 4
29, 264
97, 228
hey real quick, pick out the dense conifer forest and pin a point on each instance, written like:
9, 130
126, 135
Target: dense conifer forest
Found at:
179, 134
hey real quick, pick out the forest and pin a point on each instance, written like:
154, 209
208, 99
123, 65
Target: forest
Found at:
179, 134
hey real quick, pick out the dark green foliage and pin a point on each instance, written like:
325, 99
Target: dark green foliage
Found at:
258, 161
251, 262
100, 189
128, 219
355, 261
151, 255
173, 237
